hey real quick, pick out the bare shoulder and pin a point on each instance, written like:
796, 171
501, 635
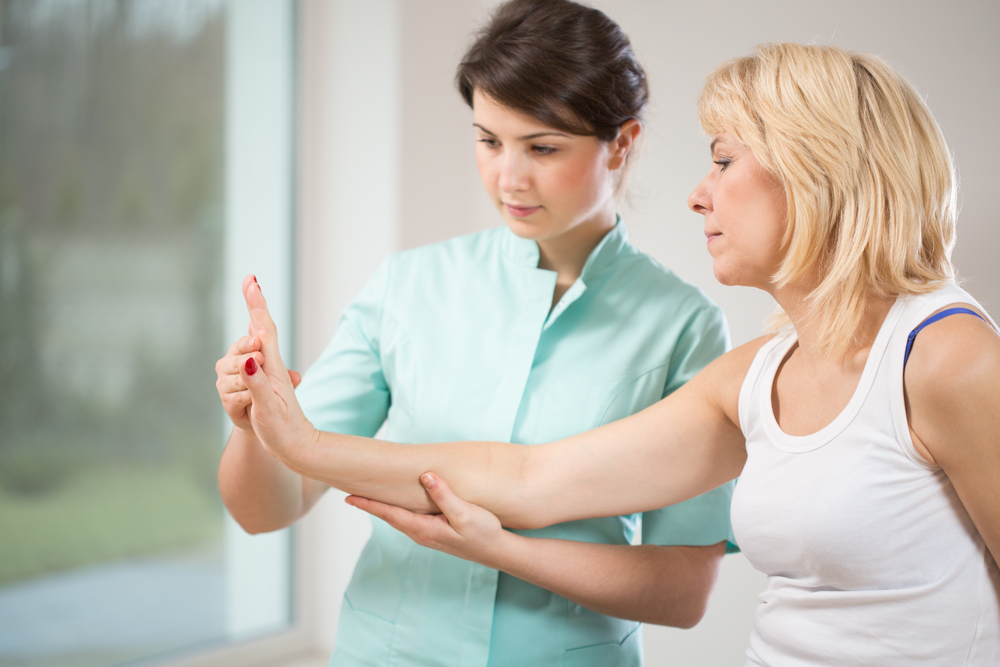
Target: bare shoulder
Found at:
960, 352
723, 378
952, 384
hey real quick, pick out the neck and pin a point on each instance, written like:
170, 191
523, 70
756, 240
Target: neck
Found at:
567, 253
808, 330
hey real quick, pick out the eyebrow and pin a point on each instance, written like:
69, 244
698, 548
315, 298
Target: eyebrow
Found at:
527, 137
711, 149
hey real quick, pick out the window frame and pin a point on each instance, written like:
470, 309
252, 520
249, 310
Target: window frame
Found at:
336, 174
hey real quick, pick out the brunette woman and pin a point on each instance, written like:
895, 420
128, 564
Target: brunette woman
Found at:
541, 329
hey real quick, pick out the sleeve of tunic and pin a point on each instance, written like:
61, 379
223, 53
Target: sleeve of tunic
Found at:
345, 391
702, 520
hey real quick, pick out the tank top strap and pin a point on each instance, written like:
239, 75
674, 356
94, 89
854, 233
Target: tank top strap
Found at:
931, 320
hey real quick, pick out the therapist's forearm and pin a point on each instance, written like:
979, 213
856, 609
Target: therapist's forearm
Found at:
487, 473
260, 492
647, 583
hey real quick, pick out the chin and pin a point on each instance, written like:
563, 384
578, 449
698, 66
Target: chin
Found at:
723, 277
526, 230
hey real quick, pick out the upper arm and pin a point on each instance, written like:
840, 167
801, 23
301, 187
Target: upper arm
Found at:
952, 385
345, 390
702, 520
684, 445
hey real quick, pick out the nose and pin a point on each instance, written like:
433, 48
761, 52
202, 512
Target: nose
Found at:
515, 172
700, 199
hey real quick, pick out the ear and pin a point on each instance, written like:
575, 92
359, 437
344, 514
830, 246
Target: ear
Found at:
622, 145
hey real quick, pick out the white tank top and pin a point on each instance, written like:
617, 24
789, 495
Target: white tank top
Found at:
871, 558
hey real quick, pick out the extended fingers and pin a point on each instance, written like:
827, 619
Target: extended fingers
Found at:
261, 324
247, 281
260, 317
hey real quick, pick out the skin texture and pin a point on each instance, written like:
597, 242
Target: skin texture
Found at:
745, 211
549, 186
567, 182
951, 383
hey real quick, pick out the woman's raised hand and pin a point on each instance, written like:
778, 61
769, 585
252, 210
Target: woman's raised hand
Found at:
463, 529
275, 414
232, 390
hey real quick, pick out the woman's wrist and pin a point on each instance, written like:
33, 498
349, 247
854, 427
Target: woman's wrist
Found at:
296, 449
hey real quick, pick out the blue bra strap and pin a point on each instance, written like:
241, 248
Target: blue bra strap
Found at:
931, 320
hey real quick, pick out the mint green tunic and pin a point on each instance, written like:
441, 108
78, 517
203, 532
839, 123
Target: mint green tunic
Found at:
456, 341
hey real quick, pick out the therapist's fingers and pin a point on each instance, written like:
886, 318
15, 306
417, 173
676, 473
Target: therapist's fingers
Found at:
426, 530
457, 510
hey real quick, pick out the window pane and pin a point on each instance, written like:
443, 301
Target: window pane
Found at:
114, 136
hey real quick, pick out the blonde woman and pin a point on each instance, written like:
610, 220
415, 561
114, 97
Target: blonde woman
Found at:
866, 430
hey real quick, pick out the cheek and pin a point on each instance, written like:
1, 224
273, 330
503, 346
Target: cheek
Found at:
580, 183
487, 171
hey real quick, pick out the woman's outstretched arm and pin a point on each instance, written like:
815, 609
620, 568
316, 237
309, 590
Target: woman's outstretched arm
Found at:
683, 446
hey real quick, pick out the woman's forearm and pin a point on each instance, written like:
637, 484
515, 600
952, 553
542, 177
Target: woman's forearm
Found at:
616, 469
485, 472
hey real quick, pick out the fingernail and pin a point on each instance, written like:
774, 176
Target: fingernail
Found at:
254, 278
349, 501
428, 480
251, 366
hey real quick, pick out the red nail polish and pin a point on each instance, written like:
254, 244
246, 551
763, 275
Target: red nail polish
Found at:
254, 278
251, 366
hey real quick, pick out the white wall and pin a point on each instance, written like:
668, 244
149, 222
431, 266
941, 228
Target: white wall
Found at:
949, 51
348, 220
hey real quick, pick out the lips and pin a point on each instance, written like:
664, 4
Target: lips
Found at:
711, 236
519, 211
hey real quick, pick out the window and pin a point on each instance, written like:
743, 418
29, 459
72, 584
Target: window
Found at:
145, 166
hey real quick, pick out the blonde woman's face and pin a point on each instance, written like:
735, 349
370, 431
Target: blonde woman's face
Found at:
745, 215
545, 182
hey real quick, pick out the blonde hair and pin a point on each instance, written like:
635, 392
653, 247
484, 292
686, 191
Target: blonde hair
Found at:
869, 180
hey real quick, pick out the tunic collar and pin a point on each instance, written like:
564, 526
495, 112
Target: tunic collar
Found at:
525, 251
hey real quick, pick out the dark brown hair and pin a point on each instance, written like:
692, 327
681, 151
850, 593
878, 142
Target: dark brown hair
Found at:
564, 64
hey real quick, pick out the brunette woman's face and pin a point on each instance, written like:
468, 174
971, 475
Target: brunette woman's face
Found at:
545, 182
745, 215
